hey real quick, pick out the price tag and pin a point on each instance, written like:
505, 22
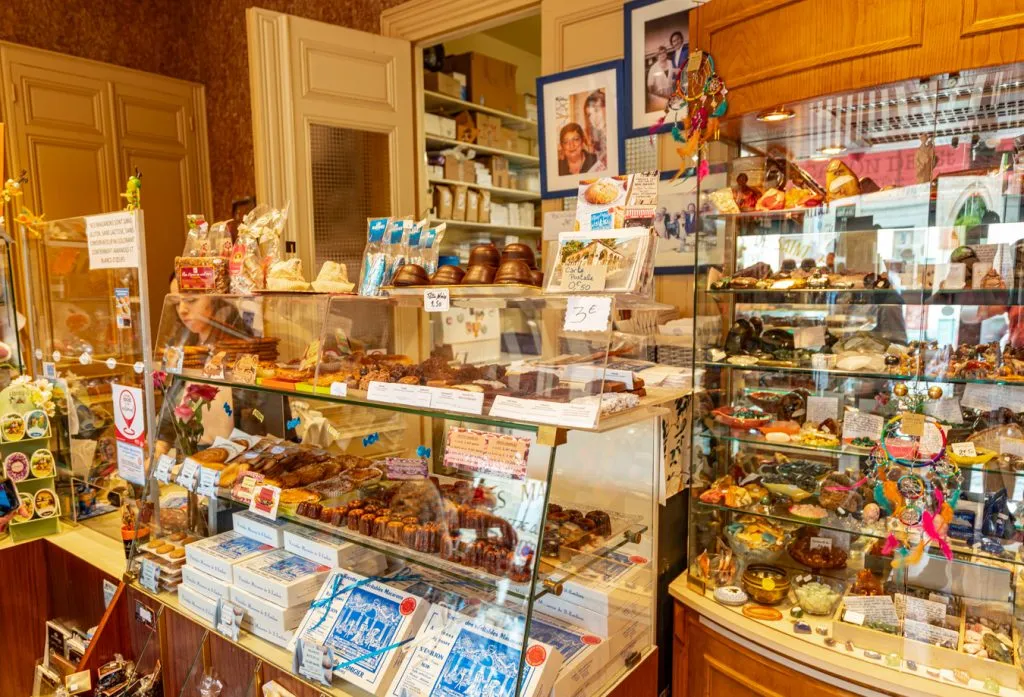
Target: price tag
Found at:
149, 576
461, 401
229, 619
162, 473
821, 543
584, 278
245, 484
853, 617
109, 589
912, 424
316, 662
437, 300
189, 474
809, 337
265, 500
587, 314
339, 389
397, 393
964, 449
208, 481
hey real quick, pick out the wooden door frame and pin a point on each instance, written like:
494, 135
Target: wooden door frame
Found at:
426, 22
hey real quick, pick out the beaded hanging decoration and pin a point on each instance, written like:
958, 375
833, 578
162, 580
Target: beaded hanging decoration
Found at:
697, 104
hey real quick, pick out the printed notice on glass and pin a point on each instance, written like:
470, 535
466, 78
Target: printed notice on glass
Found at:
396, 393
131, 464
572, 415
482, 452
587, 313
461, 401
857, 424
113, 241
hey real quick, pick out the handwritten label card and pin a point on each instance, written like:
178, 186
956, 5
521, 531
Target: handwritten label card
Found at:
809, 337
857, 424
823, 407
877, 608
400, 468
912, 424
460, 401
965, 449
587, 314
585, 278
437, 300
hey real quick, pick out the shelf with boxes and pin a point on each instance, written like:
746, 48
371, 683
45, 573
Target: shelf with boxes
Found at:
446, 105
516, 157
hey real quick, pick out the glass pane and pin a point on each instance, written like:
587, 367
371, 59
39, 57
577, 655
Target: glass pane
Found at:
351, 182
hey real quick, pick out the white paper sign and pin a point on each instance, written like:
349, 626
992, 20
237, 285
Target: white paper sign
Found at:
966, 449
809, 337
437, 300
208, 481
857, 424
821, 543
188, 477
956, 276
460, 401
853, 617
931, 439
587, 314
1011, 446
339, 389
109, 589
162, 473
113, 241
920, 609
573, 415
877, 608
131, 464
397, 393
579, 372
149, 576
129, 412
929, 634
229, 619
820, 408
946, 410
317, 662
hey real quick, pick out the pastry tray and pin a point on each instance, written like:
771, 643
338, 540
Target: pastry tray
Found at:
473, 290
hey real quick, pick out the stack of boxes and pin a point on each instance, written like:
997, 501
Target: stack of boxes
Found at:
255, 568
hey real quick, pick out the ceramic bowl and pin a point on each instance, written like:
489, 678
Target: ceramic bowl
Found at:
518, 250
448, 276
484, 254
411, 275
514, 271
478, 273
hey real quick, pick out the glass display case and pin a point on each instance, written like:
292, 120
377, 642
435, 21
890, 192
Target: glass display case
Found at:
89, 327
857, 458
484, 476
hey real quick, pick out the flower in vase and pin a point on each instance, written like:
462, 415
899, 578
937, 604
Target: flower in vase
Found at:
184, 412
197, 392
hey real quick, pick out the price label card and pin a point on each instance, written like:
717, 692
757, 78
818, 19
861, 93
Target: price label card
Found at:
853, 617
821, 543
912, 424
402, 468
857, 424
822, 407
149, 576
587, 314
964, 449
809, 337
397, 393
315, 661
539, 411
946, 410
584, 278
265, 500
437, 300
188, 477
208, 481
162, 473
456, 400
1011, 446
245, 484
339, 389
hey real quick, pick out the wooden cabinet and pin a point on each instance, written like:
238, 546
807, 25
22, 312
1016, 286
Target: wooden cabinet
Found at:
707, 664
772, 52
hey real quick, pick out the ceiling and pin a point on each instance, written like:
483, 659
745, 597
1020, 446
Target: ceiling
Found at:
523, 34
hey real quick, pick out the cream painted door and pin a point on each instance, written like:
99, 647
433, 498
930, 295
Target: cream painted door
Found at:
80, 128
334, 130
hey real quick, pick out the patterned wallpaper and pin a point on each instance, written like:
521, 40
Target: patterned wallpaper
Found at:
199, 40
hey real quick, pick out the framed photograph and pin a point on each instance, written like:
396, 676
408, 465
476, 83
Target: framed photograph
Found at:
579, 127
657, 48
676, 222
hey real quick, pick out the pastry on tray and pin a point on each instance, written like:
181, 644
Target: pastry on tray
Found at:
333, 278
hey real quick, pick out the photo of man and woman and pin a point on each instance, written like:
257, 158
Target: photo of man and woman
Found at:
666, 50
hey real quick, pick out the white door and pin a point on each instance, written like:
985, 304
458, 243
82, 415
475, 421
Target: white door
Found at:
333, 122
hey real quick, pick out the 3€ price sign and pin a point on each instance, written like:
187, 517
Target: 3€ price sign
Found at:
437, 300
587, 313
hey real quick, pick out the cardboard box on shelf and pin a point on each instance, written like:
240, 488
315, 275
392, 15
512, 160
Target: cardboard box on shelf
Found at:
489, 128
466, 129
506, 139
472, 205
443, 201
484, 215
281, 577
443, 83
523, 145
219, 555
527, 214
260, 609
493, 163
490, 82
204, 583
330, 550
528, 106
435, 171
501, 179
256, 527
513, 215
432, 125
459, 203
447, 125
459, 170
499, 213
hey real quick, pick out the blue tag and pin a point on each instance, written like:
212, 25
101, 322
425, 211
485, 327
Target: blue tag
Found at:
423, 451
601, 221
292, 423
227, 408
370, 439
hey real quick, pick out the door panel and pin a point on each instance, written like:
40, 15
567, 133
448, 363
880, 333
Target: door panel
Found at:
67, 176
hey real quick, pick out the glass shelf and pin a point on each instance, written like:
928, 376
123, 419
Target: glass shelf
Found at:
872, 296
849, 374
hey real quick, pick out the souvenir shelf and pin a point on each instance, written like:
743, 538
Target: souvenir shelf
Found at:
857, 457
438, 454
90, 330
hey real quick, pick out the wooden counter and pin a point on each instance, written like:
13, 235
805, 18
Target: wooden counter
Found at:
717, 652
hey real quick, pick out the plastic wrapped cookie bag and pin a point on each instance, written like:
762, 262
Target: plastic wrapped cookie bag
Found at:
414, 250
430, 243
197, 241
259, 245
397, 237
375, 263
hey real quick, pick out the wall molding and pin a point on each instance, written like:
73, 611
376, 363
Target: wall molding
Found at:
971, 25
431, 20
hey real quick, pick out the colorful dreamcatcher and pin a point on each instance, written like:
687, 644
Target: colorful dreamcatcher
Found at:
697, 104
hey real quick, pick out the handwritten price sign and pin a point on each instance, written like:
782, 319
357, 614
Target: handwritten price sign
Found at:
587, 313
437, 300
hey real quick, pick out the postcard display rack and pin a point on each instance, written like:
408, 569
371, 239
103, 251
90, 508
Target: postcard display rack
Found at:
89, 326
464, 498
857, 452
